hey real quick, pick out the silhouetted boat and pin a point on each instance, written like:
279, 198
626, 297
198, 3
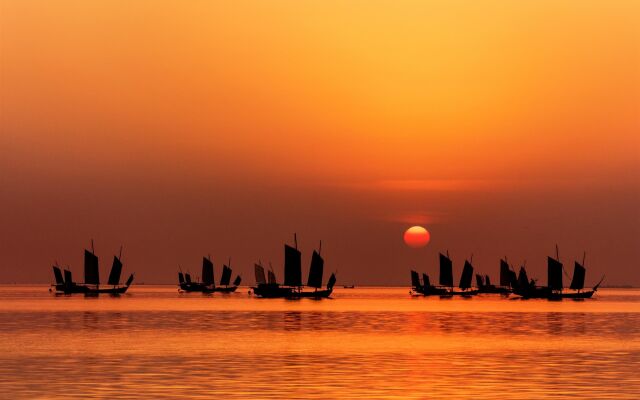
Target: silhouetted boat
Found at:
293, 287
484, 282
425, 287
207, 285
554, 289
65, 284
349, 286
445, 280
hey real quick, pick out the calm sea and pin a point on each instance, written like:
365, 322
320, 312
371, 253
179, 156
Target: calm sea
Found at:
364, 343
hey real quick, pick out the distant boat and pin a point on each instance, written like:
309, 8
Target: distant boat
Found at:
484, 282
293, 287
91, 285
554, 289
207, 285
425, 287
349, 286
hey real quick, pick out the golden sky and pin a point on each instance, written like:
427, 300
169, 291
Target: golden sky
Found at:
194, 127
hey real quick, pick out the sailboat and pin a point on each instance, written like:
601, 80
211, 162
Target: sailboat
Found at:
91, 285
554, 289
484, 282
207, 285
293, 287
225, 280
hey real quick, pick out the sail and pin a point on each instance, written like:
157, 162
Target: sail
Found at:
272, 278
523, 279
577, 282
513, 280
415, 279
446, 271
58, 275
505, 273
68, 280
180, 277
425, 280
237, 281
207, 271
479, 281
91, 274
116, 270
259, 271
187, 277
467, 276
226, 276
332, 281
487, 280
292, 266
554, 274
315, 271
128, 282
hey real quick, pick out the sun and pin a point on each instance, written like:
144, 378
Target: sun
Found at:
416, 237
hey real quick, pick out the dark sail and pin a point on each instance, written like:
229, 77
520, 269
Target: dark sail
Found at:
272, 277
91, 274
237, 281
425, 280
259, 271
226, 276
58, 275
128, 282
415, 279
554, 274
505, 274
446, 271
315, 271
292, 266
207, 271
332, 281
513, 280
180, 277
479, 281
487, 280
68, 280
467, 276
577, 282
523, 279
187, 277
116, 270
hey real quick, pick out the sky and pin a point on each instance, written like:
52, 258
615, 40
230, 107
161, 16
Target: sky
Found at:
185, 128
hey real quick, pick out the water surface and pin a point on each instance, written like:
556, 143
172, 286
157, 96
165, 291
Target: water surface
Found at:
363, 343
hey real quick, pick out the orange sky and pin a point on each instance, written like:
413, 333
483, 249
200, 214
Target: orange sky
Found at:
182, 128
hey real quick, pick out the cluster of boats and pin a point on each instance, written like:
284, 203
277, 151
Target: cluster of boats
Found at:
91, 285
267, 285
510, 282
207, 284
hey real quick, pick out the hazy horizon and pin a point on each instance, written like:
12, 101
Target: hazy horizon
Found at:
181, 129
